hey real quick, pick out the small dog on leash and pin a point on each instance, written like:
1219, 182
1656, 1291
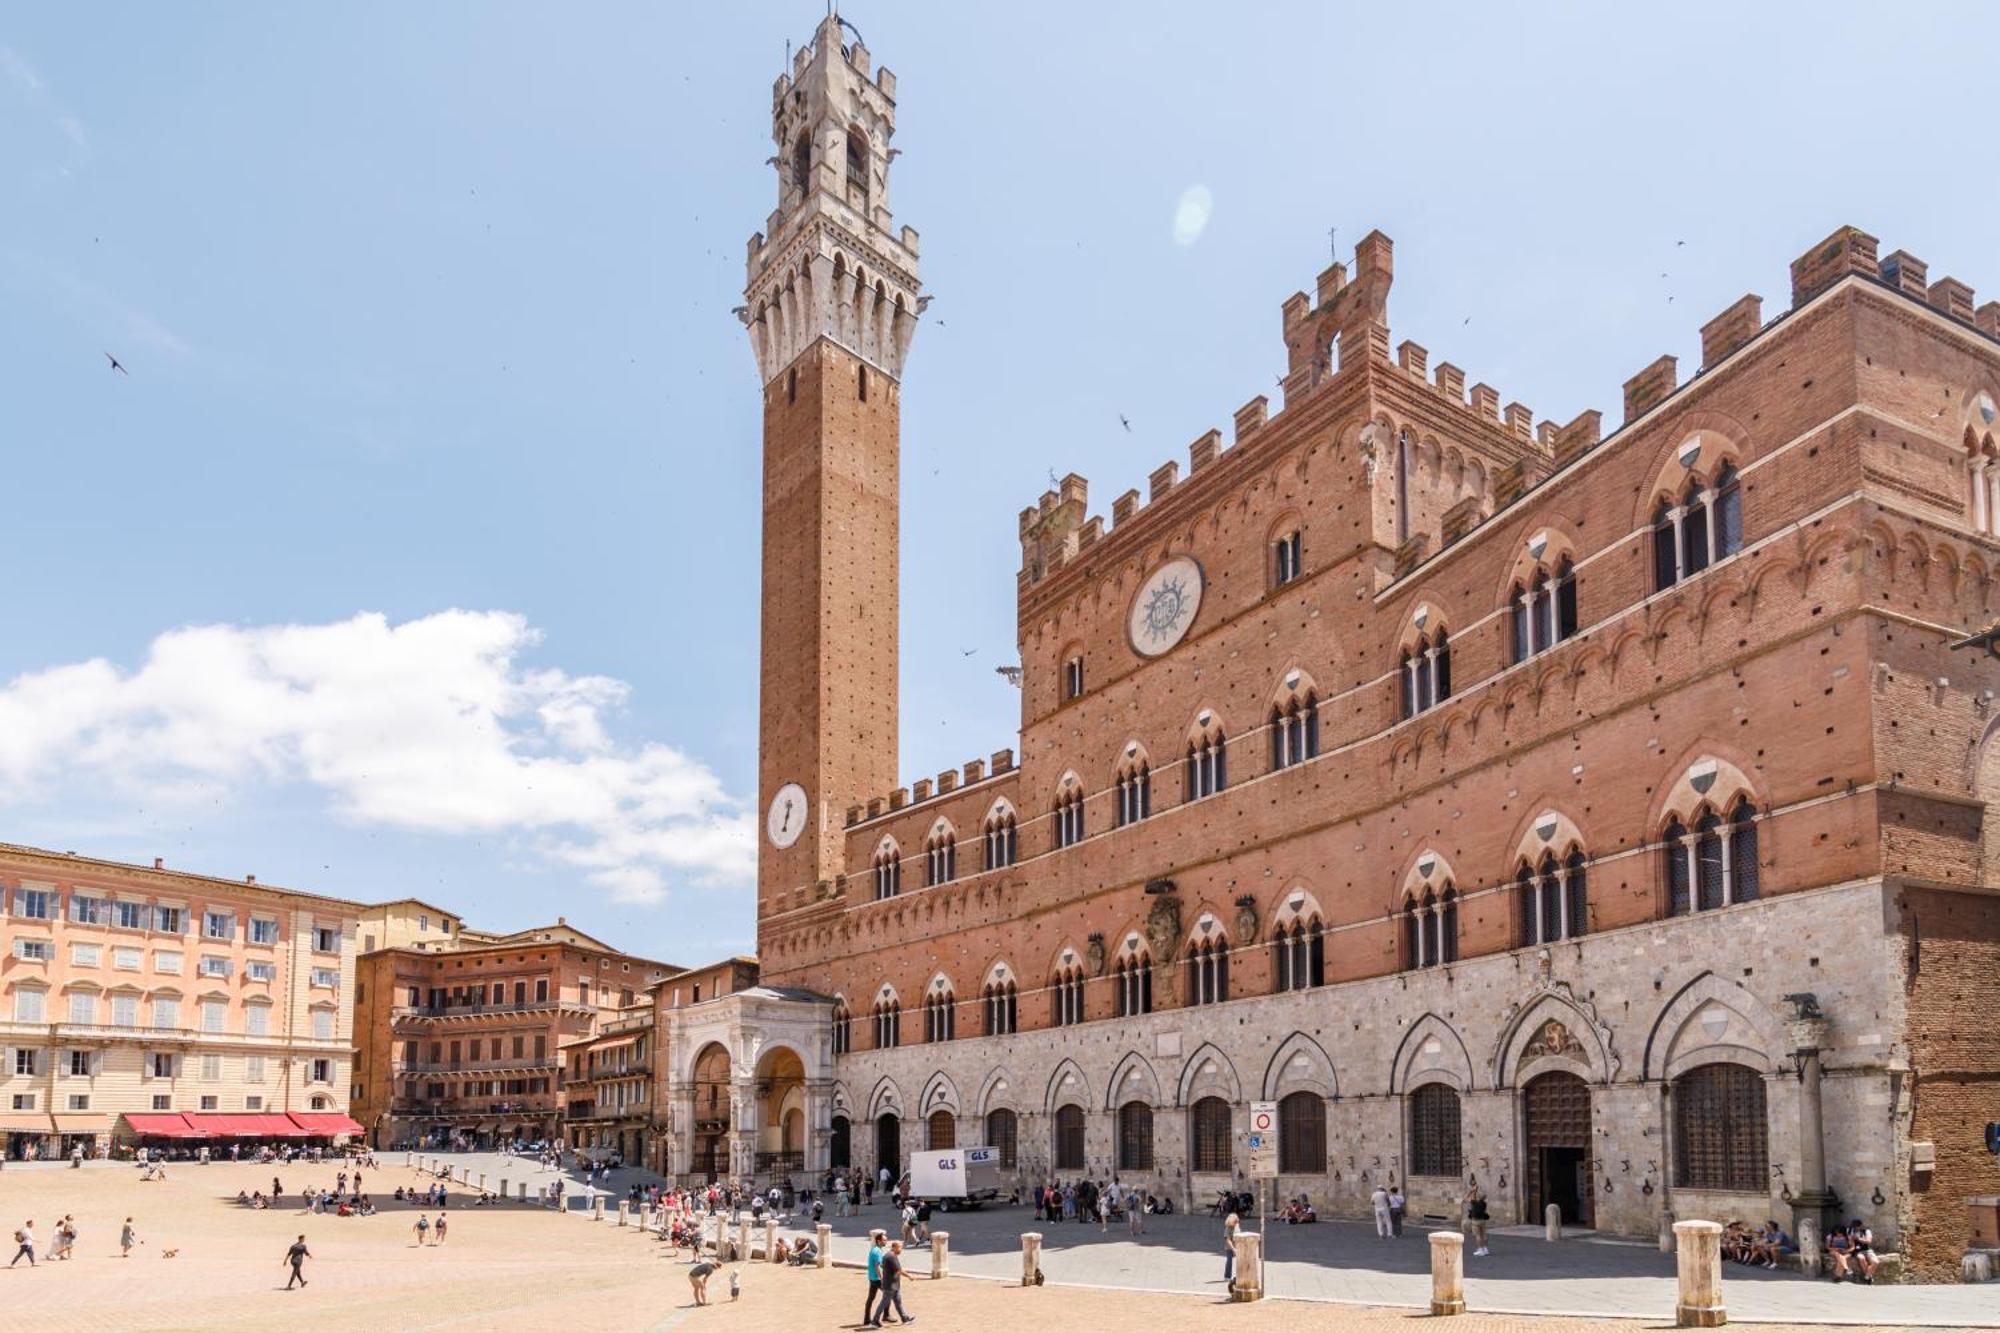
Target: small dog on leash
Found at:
168, 1254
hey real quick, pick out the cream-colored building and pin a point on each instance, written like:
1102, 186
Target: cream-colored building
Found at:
133, 996
412, 923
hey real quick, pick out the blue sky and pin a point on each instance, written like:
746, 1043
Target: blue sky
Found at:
417, 551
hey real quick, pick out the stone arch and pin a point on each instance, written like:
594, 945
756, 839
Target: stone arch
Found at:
940, 1094
1294, 683
693, 1058
1424, 623
1301, 1064
840, 1101
1712, 1018
1704, 776
1296, 903
886, 1099
1208, 1073
1131, 1079
1431, 1051
1067, 1084
1525, 1051
1427, 869
1547, 545
996, 1092
1700, 443
1547, 833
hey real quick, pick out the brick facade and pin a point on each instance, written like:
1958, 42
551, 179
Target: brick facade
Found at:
1763, 571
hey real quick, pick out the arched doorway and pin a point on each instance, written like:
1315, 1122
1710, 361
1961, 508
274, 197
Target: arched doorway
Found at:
889, 1144
711, 1114
781, 1114
1555, 1111
841, 1147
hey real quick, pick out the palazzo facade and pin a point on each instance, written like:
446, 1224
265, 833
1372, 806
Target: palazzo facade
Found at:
1595, 814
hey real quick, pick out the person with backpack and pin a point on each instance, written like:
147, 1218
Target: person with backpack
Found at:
24, 1241
423, 1230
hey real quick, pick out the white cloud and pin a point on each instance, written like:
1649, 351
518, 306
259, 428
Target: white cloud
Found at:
432, 726
1191, 216
24, 77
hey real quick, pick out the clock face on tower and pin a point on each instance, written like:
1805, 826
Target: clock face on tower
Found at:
1165, 606
787, 819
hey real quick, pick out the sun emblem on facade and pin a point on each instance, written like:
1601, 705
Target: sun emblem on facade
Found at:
1165, 607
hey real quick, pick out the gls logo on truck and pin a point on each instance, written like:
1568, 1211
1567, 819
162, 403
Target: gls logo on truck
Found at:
947, 1163
976, 1155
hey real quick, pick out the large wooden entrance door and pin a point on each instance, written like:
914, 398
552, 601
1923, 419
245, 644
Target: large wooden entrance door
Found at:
1556, 1109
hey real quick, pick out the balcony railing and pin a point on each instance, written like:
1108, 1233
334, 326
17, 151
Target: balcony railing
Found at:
477, 1010
403, 1106
419, 1067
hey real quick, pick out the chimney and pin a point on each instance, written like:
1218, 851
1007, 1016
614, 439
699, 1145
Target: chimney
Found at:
249, 879
159, 863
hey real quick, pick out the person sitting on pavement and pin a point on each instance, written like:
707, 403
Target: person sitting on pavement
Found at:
1863, 1241
1841, 1251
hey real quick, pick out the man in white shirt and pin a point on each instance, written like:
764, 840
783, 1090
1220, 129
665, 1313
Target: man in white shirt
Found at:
1379, 1201
25, 1239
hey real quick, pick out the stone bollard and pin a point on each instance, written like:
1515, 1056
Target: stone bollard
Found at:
743, 1238
597, 1208
1447, 1272
771, 1240
1666, 1233
1031, 1258
1552, 1222
940, 1254
624, 1211
1976, 1266
1812, 1255
1698, 1258
409, 1159
503, 1187
824, 1238
1249, 1282
716, 1239
482, 1182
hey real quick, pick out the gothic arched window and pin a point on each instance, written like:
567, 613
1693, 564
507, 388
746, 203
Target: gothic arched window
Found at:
1002, 1009
1133, 979
1208, 971
1066, 996
1295, 730
1425, 672
1299, 952
1000, 839
941, 858
1135, 791
1703, 525
1069, 815
888, 870
802, 153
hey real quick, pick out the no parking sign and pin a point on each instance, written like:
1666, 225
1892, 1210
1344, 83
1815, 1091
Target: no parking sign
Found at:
1263, 1140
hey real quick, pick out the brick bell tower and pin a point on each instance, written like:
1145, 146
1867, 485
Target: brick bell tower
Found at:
831, 303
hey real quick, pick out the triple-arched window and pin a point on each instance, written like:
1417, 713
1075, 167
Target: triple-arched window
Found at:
1135, 791
1002, 1008
1001, 839
1208, 971
940, 1021
1066, 996
843, 1023
941, 856
1132, 979
1294, 730
1715, 864
1554, 899
1430, 928
857, 168
1207, 761
1299, 953
888, 870
1069, 815
1702, 526
1543, 609
888, 1024
802, 153
1424, 671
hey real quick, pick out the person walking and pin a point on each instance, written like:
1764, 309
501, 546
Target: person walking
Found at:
66, 1237
127, 1238
1103, 1211
422, 1230
1476, 1217
1379, 1202
1396, 1206
1135, 1212
1230, 1226
440, 1229
876, 1250
24, 1243
296, 1256
892, 1284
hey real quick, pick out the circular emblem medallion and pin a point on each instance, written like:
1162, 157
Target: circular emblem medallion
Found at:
786, 819
1165, 606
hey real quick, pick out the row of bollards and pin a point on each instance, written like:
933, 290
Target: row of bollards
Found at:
1697, 1249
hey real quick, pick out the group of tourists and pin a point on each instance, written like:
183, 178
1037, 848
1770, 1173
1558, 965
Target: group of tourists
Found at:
1102, 1202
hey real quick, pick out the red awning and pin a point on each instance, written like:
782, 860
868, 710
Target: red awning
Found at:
217, 1126
161, 1126
325, 1124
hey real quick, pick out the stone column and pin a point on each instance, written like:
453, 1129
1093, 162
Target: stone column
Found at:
1698, 1259
1552, 1222
1666, 1233
1249, 1282
597, 1208
624, 1212
743, 1238
824, 1237
940, 1254
1031, 1257
771, 1240
1813, 1201
1447, 1272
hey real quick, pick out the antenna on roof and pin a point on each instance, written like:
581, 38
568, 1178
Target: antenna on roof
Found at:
1333, 243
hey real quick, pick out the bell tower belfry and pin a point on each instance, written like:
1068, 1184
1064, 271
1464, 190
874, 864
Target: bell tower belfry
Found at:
831, 302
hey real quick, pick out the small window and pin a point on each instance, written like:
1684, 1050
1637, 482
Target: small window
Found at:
1001, 840
1208, 972
1073, 677
861, 383
1069, 816
1135, 794
1286, 556
792, 385
1425, 671
1066, 998
34, 951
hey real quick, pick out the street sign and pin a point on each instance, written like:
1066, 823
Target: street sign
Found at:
1263, 1140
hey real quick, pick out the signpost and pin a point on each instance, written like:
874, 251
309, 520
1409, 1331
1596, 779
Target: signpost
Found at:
1263, 1158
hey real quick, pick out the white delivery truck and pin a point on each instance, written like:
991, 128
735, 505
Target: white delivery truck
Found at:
956, 1177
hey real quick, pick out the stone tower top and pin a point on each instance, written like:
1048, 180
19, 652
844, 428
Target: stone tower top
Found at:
827, 264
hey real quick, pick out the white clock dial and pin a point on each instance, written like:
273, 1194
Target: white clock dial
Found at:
1165, 606
787, 819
